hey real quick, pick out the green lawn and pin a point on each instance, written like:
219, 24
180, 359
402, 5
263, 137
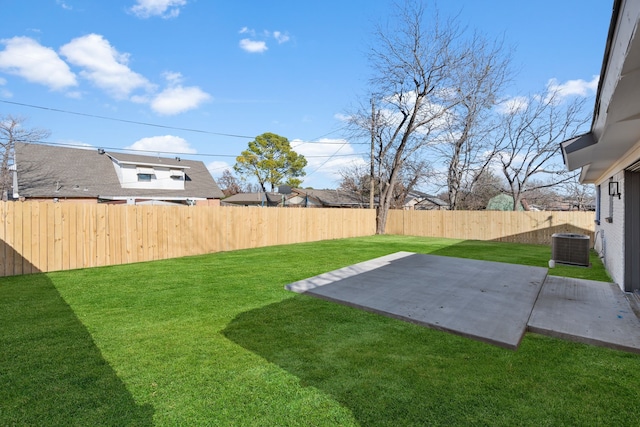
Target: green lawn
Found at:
216, 340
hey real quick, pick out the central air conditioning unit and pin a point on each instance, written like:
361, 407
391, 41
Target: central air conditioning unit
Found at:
569, 248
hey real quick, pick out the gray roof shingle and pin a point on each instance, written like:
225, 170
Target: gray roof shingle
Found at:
334, 198
254, 199
51, 171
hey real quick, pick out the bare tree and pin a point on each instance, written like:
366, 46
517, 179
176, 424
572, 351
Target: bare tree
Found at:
11, 132
538, 194
476, 193
468, 146
356, 179
248, 187
529, 142
414, 171
416, 93
229, 183
582, 197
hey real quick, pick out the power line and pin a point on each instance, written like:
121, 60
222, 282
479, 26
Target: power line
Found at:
57, 110
125, 121
171, 152
330, 157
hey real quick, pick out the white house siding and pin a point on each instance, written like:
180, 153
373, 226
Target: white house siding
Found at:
161, 178
609, 240
613, 146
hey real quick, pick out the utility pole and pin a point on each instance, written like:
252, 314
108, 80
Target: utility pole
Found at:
373, 139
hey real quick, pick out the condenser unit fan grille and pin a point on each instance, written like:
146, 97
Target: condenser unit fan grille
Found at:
567, 248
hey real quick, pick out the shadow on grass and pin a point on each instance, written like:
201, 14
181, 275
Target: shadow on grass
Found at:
384, 371
387, 372
51, 372
332, 348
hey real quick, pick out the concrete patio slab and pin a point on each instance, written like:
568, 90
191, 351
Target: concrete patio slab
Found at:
484, 300
586, 311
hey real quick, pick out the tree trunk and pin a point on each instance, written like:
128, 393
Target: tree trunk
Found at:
381, 219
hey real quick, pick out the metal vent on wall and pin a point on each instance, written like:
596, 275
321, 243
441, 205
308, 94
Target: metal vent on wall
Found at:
569, 248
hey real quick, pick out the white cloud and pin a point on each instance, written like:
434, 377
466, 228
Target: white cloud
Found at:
327, 156
74, 94
28, 59
217, 167
165, 143
64, 5
556, 92
578, 87
517, 160
104, 66
173, 78
176, 98
342, 117
253, 46
259, 46
281, 37
4, 93
163, 8
513, 105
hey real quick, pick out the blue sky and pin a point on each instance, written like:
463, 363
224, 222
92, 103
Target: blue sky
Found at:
236, 69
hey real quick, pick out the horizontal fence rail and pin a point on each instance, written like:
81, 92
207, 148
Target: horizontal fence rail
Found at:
517, 227
42, 236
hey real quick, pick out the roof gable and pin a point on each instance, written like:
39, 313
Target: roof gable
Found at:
46, 171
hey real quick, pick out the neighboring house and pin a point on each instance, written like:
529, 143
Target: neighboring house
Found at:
299, 198
44, 172
418, 200
609, 155
310, 198
529, 206
569, 204
254, 199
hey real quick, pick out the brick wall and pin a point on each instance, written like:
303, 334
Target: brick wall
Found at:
610, 235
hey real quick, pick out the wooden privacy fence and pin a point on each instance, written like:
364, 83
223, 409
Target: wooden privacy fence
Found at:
517, 227
41, 237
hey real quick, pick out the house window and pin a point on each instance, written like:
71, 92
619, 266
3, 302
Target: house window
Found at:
145, 174
177, 174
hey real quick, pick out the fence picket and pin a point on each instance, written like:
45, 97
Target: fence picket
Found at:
43, 236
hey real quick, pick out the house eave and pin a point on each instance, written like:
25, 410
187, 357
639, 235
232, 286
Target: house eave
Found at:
576, 152
616, 119
148, 164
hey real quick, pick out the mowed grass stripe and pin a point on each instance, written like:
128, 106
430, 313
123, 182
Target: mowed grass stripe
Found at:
216, 340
